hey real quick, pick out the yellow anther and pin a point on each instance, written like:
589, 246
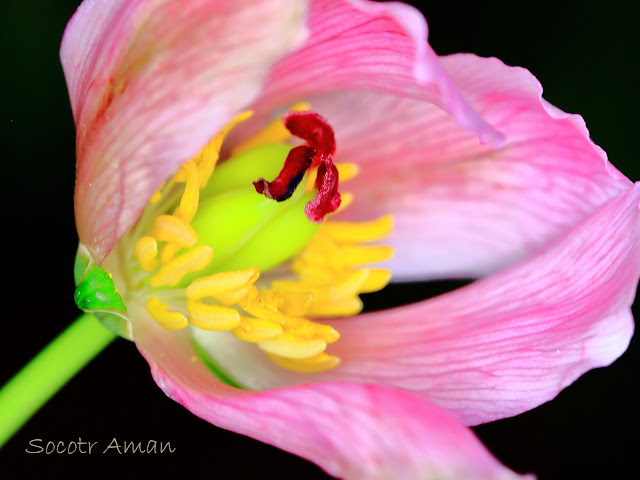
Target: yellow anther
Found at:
146, 251
326, 284
208, 157
239, 118
212, 317
343, 307
319, 252
191, 261
169, 228
318, 363
206, 161
262, 310
262, 306
159, 311
326, 332
191, 196
349, 283
293, 286
315, 274
346, 285
156, 197
236, 296
303, 327
378, 279
358, 232
295, 303
274, 132
168, 252
347, 199
271, 299
353, 255
347, 171
298, 324
255, 330
290, 345
223, 282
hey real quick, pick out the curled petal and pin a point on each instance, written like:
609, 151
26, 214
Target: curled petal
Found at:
351, 430
150, 83
500, 346
369, 46
510, 342
462, 209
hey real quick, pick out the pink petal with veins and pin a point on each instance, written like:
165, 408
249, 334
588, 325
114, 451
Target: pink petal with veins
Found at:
509, 342
150, 83
351, 430
359, 45
498, 347
463, 209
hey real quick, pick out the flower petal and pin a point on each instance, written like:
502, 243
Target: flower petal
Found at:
462, 209
150, 83
364, 45
350, 430
508, 343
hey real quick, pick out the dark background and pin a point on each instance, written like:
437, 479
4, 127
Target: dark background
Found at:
584, 53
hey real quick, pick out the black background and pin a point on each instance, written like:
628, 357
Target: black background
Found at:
584, 53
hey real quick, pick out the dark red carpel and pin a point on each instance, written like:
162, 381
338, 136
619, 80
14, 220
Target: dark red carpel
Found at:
328, 198
318, 152
295, 166
312, 128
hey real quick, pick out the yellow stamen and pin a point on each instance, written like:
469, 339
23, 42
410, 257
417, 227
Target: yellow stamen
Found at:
156, 197
354, 255
189, 201
378, 279
358, 232
191, 261
207, 158
320, 252
169, 228
347, 199
293, 346
207, 161
146, 251
327, 280
223, 282
236, 296
159, 311
295, 303
168, 252
207, 164
260, 308
343, 307
348, 284
256, 330
212, 317
326, 332
274, 132
302, 326
347, 171
315, 364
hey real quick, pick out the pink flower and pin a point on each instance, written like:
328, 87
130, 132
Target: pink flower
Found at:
483, 177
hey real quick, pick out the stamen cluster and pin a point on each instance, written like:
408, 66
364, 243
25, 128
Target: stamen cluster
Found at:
325, 276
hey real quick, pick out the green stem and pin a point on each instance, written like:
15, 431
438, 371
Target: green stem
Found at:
48, 371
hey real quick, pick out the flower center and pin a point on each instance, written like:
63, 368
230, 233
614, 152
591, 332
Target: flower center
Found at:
202, 244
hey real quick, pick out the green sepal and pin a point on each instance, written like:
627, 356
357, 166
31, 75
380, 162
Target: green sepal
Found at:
96, 293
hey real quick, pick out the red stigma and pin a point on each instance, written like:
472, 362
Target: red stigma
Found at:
318, 152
